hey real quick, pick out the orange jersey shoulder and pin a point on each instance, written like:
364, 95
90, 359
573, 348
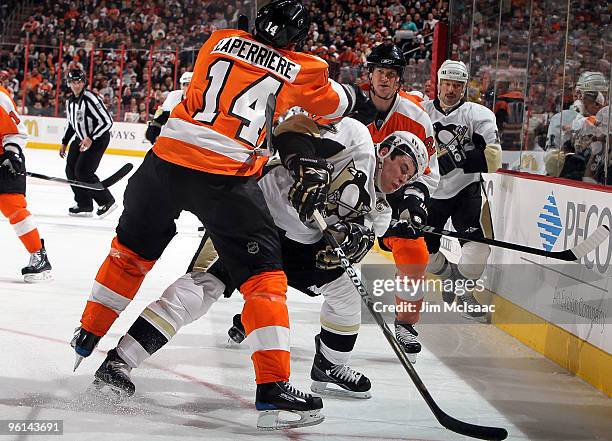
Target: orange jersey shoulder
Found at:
221, 120
408, 115
11, 127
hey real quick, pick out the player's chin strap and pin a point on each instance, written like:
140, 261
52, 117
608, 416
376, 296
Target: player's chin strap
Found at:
380, 161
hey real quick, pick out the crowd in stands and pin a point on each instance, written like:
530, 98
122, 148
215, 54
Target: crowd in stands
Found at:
527, 70
94, 33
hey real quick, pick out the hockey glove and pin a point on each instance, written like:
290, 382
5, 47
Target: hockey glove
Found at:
451, 156
354, 239
153, 131
414, 209
412, 219
402, 229
11, 163
309, 190
364, 110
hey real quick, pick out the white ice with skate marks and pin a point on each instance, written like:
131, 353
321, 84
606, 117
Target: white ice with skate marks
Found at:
197, 389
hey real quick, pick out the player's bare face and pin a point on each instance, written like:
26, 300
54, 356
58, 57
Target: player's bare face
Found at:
451, 92
396, 172
76, 86
385, 82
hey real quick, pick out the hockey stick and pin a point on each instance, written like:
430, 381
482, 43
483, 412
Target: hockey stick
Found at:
270, 108
102, 185
572, 254
467, 429
243, 23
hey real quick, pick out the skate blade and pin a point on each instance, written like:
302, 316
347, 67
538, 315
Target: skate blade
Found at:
106, 392
43, 277
411, 357
86, 214
270, 419
231, 344
330, 390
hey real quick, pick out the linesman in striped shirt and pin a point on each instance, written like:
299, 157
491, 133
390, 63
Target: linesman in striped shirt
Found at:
90, 121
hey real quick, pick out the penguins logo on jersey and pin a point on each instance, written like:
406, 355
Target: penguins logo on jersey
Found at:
347, 194
451, 137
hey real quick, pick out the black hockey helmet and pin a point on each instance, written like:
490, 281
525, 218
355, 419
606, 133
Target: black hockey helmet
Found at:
281, 23
76, 75
387, 55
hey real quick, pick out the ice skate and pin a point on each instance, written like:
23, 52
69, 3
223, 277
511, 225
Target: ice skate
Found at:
472, 308
273, 398
236, 332
39, 268
113, 378
347, 382
105, 210
77, 211
406, 336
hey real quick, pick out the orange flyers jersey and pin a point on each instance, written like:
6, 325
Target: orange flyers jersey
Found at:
407, 114
12, 129
221, 121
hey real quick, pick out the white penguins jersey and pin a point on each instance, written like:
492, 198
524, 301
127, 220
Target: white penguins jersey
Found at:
352, 193
471, 126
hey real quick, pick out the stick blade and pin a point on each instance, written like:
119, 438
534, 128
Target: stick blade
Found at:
473, 430
591, 243
118, 175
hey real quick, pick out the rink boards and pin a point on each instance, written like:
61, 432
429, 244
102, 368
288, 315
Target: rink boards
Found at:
560, 309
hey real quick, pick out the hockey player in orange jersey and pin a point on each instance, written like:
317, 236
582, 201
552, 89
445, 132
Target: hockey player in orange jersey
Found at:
398, 110
205, 161
13, 205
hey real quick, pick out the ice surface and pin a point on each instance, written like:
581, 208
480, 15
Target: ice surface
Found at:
196, 388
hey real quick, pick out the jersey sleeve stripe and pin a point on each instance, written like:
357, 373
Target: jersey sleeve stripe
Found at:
345, 101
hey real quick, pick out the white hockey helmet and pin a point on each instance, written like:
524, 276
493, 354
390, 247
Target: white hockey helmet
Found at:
592, 82
453, 70
185, 78
409, 144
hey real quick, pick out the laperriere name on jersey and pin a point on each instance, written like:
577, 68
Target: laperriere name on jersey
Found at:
259, 55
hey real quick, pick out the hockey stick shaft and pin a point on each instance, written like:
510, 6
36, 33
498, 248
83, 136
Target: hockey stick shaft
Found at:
467, 429
572, 254
243, 23
89, 186
97, 186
